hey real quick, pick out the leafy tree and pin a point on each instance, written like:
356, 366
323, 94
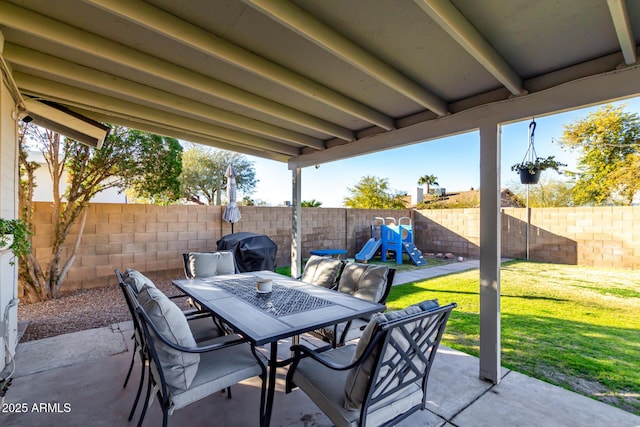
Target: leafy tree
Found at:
627, 179
313, 203
149, 163
160, 154
548, 193
608, 144
203, 181
428, 181
374, 193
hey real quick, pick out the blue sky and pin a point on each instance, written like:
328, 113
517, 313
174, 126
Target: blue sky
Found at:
454, 160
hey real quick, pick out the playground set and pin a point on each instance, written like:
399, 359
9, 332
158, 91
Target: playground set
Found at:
389, 235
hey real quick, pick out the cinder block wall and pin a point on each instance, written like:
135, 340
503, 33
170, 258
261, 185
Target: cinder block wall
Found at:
448, 230
152, 238
592, 236
148, 238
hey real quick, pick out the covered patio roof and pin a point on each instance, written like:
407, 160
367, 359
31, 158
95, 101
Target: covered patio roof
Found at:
307, 81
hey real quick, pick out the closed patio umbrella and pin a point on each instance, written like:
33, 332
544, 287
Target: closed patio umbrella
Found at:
231, 212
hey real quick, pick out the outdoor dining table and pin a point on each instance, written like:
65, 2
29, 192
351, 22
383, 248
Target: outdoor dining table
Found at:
292, 308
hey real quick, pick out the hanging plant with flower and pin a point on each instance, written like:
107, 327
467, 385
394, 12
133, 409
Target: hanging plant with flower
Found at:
539, 164
531, 165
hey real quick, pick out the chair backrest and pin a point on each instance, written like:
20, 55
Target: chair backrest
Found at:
129, 296
150, 352
207, 264
163, 341
322, 271
136, 280
395, 355
367, 281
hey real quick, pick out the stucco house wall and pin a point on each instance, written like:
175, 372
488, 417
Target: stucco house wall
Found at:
8, 210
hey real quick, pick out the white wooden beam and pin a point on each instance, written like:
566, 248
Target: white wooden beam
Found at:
620, 17
117, 107
35, 24
580, 93
183, 32
324, 36
449, 18
181, 134
102, 82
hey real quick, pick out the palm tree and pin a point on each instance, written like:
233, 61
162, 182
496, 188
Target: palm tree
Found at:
428, 180
313, 203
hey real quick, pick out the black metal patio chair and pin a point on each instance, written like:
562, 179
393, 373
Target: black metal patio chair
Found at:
201, 325
366, 281
383, 379
179, 371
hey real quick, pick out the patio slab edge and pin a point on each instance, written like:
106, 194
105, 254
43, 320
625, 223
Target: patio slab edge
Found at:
68, 349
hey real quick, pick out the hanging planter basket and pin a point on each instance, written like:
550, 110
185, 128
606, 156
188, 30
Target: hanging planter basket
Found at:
526, 177
531, 166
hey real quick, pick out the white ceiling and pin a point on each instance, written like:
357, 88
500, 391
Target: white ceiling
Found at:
309, 81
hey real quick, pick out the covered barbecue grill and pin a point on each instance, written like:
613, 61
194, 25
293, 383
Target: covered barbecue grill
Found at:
252, 252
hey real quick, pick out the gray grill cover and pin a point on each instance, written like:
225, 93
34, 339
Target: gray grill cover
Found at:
253, 252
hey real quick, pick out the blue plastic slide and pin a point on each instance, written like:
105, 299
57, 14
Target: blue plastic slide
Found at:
368, 250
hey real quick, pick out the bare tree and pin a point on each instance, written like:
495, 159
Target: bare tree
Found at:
148, 162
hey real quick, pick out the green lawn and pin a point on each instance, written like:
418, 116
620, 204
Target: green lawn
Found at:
576, 327
407, 265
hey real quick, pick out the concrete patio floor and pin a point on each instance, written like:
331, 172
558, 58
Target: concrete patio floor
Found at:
86, 369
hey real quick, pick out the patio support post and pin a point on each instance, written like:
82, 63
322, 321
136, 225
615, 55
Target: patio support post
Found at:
296, 223
490, 252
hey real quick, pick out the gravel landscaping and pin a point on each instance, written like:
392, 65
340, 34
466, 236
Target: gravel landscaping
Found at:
98, 307
78, 310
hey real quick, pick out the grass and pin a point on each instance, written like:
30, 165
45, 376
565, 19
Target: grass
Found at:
407, 265
575, 327
285, 271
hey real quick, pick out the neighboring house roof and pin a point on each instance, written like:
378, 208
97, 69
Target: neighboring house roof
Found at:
471, 198
510, 200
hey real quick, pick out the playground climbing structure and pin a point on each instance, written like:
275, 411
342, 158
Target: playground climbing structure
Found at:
389, 235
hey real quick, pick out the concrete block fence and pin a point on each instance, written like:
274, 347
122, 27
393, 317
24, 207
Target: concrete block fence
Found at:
592, 236
152, 238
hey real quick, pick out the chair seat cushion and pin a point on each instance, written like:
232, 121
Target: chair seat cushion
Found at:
364, 281
217, 370
179, 368
326, 388
321, 271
